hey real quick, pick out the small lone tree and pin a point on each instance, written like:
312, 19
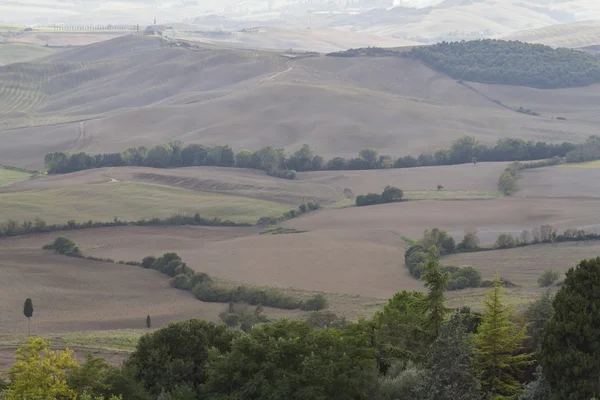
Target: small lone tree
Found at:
148, 322
28, 312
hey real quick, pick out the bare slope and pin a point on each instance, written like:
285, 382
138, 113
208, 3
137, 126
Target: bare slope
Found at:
524, 265
367, 263
134, 90
574, 35
76, 295
568, 181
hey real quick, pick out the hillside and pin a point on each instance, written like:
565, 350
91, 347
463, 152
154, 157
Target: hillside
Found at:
571, 35
135, 90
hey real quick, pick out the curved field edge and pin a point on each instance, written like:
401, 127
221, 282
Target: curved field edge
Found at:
524, 265
130, 201
8, 177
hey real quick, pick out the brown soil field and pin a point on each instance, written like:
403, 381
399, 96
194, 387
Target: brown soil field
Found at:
524, 265
77, 295
490, 217
366, 263
482, 177
134, 90
560, 182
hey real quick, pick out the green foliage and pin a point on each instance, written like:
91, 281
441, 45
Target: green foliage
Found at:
588, 151
511, 63
435, 282
90, 377
548, 278
316, 303
499, 343
506, 241
28, 308
326, 319
399, 328
243, 317
402, 381
390, 194
450, 373
539, 389
438, 238
40, 373
290, 360
470, 241
64, 246
176, 355
571, 342
537, 316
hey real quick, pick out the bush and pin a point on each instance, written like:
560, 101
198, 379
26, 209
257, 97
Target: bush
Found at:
325, 320
368, 200
505, 241
316, 303
548, 278
470, 241
64, 246
181, 282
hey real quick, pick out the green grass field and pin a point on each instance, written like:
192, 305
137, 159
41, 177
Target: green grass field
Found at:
129, 201
591, 164
8, 176
449, 195
13, 53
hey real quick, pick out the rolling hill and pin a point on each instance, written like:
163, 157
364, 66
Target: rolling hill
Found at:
136, 90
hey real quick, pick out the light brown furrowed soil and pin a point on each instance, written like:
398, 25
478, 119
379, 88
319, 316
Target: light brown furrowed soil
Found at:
524, 265
134, 90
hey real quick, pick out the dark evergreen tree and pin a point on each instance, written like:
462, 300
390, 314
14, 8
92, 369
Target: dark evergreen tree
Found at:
571, 344
28, 312
450, 372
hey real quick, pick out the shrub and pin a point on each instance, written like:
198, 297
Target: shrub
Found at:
548, 278
391, 194
181, 282
368, 200
316, 303
64, 246
470, 241
505, 241
326, 319
457, 284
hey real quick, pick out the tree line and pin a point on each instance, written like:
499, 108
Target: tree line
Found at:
390, 194
14, 228
413, 348
511, 63
201, 284
507, 183
279, 164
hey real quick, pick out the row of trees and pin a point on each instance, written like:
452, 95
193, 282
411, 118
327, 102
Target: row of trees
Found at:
414, 348
588, 151
390, 194
276, 163
507, 183
511, 63
38, 225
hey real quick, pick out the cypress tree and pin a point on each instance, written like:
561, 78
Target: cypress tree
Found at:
148, 322
28, 312
436, 282
498, 342
571, 343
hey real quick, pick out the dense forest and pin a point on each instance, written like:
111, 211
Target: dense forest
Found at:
511, 63
413, 348
277, 163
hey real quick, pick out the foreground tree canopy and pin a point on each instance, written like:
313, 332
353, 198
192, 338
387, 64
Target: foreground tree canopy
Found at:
511, 63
